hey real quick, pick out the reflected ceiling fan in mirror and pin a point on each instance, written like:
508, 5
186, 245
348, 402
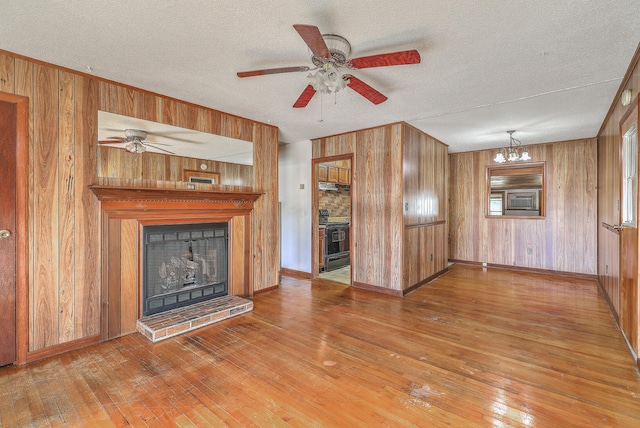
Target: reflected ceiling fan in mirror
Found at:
331, 53
134, 141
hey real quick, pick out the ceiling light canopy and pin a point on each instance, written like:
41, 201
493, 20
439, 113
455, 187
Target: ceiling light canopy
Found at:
515, 151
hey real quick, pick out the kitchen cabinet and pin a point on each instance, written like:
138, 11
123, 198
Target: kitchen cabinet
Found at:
344, 176
322, 173
332, 174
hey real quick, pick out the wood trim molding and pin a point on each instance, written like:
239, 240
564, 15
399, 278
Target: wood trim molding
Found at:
22, 227
295, 273
382, 290
62, 347
414, 287
529, 270
607, 299
150, 194
265, 290
433, 223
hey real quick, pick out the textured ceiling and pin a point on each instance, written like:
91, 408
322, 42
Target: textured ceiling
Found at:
548, 69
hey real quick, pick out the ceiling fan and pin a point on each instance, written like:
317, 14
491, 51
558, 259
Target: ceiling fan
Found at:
331, 54
134, 141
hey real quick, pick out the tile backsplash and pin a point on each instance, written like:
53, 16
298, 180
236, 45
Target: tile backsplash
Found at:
337, 202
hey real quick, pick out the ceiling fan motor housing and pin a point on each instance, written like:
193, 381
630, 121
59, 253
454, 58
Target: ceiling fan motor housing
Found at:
135, 134
339, 48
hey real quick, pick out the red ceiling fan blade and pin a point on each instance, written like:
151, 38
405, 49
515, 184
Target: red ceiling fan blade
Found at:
305, 97
272, 71
312, 37
365, 90
383, 60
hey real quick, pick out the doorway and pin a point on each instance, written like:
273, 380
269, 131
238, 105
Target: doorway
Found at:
628, 229
13, 229
332, 196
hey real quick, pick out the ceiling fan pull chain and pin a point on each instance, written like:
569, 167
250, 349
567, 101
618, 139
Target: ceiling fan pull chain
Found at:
321, 120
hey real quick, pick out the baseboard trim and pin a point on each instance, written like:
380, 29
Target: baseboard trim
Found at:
414, 287
295, 273
377, 289
607, 299
528, 269
265, 290
61, 348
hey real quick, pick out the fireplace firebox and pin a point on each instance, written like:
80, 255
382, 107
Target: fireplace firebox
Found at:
183, 264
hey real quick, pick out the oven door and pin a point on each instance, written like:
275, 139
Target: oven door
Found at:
336, 246
336, 239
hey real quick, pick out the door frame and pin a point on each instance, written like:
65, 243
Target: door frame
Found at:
629, 300
22, 221
315, 224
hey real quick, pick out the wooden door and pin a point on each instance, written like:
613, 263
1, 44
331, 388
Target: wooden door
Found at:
629, 229
8, 135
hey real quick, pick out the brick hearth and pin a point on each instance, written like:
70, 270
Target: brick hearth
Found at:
181, 320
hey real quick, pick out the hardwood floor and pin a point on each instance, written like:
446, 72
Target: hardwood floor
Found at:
473, 348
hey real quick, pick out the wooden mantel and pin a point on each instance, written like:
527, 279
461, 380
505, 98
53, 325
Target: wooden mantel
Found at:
126, 209
122, 200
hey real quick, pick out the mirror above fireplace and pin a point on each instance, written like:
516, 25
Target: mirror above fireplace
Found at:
118, 131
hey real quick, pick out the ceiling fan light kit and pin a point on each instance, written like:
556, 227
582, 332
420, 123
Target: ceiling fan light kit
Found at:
330, 53
135, 146
135, 141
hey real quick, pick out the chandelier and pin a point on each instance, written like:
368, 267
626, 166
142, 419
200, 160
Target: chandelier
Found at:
515, 151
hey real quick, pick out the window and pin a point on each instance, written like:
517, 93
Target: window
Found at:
515, 190
630, 176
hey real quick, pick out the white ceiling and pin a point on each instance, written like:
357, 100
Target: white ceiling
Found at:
547, 68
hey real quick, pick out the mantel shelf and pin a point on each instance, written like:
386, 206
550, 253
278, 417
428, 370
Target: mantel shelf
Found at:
150, 194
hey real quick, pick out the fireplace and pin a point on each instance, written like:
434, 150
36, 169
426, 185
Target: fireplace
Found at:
126, 211
183, 264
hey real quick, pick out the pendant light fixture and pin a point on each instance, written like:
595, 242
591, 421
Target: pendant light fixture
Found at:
515, 151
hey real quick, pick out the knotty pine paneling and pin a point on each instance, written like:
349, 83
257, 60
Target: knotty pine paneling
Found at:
65, 240
564, 241
609, 177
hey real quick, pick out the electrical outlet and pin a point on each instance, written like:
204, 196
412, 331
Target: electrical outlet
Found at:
484, 264
529, 251
302, 186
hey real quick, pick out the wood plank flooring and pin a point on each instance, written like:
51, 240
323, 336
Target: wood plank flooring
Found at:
473, 348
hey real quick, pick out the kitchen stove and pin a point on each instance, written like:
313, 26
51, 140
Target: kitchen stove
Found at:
336, 240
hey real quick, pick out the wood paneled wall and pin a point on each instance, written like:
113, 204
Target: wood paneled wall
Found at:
426, 174
117, 167
609, 177
64, 215
393, 164
563, 241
